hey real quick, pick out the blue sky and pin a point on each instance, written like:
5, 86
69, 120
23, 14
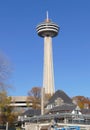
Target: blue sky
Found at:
71, 48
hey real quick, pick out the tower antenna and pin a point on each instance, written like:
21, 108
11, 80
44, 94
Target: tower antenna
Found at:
47, 15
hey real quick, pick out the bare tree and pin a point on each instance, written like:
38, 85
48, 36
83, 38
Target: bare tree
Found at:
5, 71
34, 97
6, 114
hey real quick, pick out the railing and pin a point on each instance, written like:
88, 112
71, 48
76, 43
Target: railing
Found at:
59, 115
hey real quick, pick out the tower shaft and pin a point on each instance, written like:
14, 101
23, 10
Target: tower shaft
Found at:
48, 72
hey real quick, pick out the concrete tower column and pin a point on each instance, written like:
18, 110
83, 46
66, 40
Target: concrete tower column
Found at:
48, 72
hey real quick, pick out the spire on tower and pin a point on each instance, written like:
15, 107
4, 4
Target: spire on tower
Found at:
47, 15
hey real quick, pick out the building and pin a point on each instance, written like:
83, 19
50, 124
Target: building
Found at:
20, 103
47, 30
59, 111
60, 102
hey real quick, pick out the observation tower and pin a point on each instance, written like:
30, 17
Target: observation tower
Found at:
48, 30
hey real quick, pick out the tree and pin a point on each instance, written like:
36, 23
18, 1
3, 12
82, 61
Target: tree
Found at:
82, 101
47, 97
5, 72
6, 114
34, 97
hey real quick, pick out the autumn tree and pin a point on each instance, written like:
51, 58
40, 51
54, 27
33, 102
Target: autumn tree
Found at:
6, 114
34, 97
47, 97
82, 102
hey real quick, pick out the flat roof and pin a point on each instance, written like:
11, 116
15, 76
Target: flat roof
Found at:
19, 98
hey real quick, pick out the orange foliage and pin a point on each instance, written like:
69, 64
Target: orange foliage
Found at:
82, 101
